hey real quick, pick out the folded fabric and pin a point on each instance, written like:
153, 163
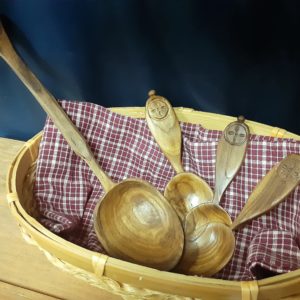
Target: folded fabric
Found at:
273, 251
67, 191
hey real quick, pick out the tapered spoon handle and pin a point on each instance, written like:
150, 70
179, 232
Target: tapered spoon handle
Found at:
61, 120
231, 151
165, 128
275, 186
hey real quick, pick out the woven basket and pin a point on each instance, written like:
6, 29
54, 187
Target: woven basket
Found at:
129, 280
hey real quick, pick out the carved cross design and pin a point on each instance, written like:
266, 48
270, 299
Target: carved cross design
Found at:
236, 134
158, 109
290, 170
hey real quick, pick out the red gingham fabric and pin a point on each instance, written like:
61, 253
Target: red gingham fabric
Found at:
67, 191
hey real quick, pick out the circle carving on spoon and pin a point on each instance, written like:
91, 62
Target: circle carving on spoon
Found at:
236, 134
290, 170
158, 109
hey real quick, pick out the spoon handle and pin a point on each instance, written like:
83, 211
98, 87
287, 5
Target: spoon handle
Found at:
61, 120
164, 126
275, 186
231, 152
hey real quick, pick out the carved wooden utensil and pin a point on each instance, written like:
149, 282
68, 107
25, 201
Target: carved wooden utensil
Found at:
210, 218
137, 223
209, 246
277, 184
185, 190
231, 151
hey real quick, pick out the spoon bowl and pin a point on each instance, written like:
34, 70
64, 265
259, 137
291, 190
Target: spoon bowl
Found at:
186, 191
209, 241
135, 223
208, 247
207, 213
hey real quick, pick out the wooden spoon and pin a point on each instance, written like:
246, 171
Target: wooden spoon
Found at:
277, 184
209, 245
231, 151
210, 218
137, 223
185, 190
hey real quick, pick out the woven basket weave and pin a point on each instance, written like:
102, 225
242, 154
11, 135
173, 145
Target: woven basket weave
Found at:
126, 279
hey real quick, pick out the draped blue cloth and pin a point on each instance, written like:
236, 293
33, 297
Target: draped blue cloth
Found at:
229, 57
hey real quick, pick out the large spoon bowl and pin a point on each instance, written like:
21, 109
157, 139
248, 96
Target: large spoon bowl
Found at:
135, 223
150, 220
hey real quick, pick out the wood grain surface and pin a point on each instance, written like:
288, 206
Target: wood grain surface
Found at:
231, 151
209, 241
25, 273
273, 188
135, 223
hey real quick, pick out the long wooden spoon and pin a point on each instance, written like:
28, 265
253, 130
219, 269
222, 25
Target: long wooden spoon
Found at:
209, 246
185, 190
137, 223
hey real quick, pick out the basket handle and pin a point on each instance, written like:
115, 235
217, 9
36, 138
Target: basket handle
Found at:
99, 261
249, 290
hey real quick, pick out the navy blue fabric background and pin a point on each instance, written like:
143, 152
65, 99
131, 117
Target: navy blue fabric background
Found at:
229, 57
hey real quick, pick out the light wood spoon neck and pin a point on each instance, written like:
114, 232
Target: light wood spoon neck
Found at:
52, 108
165, 128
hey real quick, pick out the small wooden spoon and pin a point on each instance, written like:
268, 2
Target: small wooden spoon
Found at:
210, 218
231, 151
185, 190
137, 223
210, 245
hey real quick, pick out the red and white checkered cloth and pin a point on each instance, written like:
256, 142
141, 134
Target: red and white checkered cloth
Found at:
67, 191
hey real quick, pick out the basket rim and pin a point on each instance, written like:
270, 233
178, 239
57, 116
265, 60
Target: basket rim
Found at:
210, 120
131, 273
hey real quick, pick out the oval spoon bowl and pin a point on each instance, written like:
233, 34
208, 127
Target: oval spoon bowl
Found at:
186, 191
208, 248
134, 222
